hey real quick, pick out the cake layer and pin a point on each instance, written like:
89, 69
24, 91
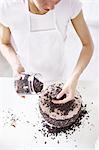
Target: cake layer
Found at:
59, 123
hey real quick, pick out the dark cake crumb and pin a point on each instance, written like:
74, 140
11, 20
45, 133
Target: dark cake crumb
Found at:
58, 142
76, 146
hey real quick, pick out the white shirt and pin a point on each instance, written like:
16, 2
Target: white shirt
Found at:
40, 39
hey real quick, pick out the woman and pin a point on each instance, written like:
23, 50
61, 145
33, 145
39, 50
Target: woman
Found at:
38, 28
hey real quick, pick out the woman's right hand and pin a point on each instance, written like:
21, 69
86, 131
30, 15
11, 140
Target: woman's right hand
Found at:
18, 70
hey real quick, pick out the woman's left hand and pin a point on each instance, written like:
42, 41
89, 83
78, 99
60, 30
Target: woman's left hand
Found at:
69, 89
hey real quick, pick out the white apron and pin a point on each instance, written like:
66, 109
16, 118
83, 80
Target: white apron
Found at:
42, 50
40, 39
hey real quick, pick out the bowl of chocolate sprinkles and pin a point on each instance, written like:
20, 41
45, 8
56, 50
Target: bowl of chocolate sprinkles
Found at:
28, 84
59, 115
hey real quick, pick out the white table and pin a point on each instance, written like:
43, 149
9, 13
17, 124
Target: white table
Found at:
21, 137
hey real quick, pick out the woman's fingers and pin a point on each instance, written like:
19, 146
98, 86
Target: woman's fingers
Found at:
69, 97
60, 94
65, 100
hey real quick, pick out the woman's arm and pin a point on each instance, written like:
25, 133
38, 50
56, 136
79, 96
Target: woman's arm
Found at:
81, 28
8, 51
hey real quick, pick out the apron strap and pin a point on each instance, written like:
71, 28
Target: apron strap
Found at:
26, 4
27, 13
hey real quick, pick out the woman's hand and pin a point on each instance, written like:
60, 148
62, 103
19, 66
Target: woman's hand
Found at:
68, 89
18, 70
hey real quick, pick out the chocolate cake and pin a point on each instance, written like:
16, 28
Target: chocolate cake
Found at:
59, 115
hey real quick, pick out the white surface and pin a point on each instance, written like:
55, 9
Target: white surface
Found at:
97, 144
21, 137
